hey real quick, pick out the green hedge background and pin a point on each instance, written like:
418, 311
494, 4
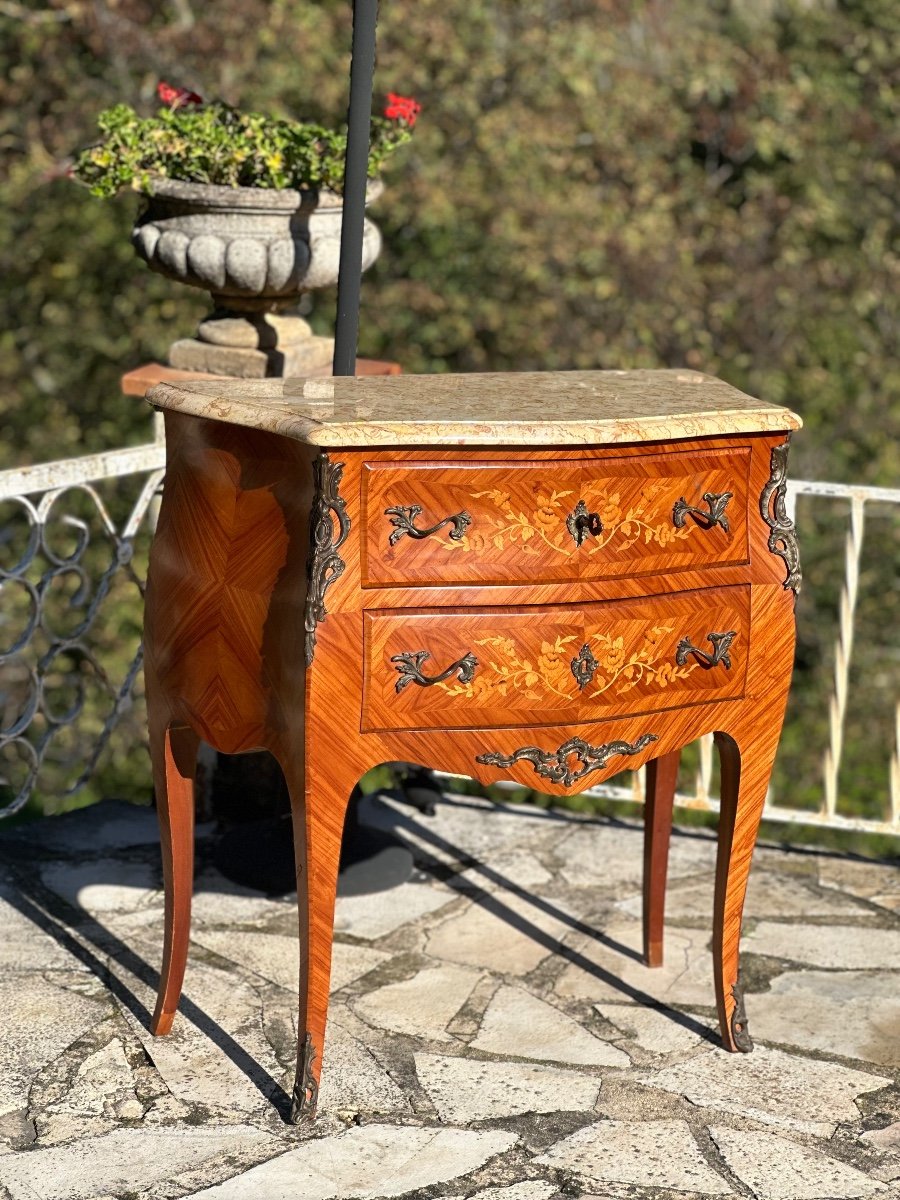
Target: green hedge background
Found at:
592, 183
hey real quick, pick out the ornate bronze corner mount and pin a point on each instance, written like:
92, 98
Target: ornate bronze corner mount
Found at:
783, 536
721, 643
554, 764
402, 519
584, 666
325, 564
740, 1032
306, 1090
410, 667
713, 514
580, 523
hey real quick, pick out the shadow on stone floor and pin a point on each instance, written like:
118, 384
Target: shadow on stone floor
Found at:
477, 1049
400, 822
93, 940
52, 914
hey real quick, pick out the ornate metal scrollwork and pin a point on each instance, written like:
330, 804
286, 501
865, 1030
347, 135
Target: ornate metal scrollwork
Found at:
325, 564
65, 692
410, 667
783, 538
721, 643
714, 514
740, 1032
554, 764
584, 666
402, 519
580, 523
306, 1090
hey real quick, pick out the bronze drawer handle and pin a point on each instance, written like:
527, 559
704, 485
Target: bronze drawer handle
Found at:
721, 643
714, 514
581, 522
554, 764
410, 667
402, 519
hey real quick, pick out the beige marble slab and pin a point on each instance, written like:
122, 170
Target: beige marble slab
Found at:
552, 408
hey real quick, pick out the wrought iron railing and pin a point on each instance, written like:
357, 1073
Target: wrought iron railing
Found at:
839, 692
73, 541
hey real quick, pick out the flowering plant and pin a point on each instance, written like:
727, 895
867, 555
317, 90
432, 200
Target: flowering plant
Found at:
199, 142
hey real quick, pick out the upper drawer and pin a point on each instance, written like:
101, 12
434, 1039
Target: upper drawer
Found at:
520, 522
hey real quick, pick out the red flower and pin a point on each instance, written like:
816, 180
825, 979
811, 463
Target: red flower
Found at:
176, 97
402, 108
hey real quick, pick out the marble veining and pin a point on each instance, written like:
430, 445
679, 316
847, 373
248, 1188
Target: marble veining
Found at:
553, 408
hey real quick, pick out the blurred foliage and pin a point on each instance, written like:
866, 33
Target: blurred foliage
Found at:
593, 183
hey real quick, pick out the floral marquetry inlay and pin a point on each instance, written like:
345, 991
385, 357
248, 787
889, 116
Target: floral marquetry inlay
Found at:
545, 525
617, 665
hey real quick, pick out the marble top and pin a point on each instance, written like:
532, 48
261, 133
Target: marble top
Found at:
551, 408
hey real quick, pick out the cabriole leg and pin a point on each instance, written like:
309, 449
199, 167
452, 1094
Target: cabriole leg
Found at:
662, 775
319, 797
746, 767
174, 757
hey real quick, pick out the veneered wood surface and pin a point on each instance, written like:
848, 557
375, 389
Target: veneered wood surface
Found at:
524, 673
225, 661
758, 563
174, 755
517, 518
659, 802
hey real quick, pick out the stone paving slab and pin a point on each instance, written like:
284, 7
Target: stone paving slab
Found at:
776, 1169
24, 946
610, 856
646, 1154
366, 1162
834, 946
421, 1006
501, 931
878, 883
515, 1023
531, 1189
611, 970
657, 1031
780, 1089
767, 896
493, 1034
854, 1014
117, 1161
464, 1089
105, 885
42, 1015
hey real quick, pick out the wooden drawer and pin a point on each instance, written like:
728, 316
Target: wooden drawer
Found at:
515, 522
459, 669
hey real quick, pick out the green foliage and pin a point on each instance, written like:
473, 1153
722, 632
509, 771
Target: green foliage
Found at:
215, 143
596, 183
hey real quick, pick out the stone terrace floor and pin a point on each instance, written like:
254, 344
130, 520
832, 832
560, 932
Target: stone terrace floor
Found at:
492, 1036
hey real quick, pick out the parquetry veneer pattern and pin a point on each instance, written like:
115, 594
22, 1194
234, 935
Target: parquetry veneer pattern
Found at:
537, 585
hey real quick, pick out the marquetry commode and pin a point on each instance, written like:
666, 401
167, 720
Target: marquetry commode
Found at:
538, 577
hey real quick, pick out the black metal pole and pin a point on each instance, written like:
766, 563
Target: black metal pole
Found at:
356, 170
371, 859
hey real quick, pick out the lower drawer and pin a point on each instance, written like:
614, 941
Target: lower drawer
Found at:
487, 668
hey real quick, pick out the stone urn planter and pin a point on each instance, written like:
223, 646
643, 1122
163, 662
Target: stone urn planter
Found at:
256, 251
